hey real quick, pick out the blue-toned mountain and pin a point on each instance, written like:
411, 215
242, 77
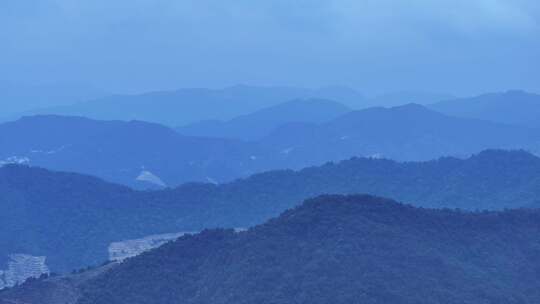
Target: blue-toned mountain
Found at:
256, 125
511, 107
331, 249
72, 219
411, 132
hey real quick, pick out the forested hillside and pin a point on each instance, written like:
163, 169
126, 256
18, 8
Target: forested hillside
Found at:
71, 218
333, 249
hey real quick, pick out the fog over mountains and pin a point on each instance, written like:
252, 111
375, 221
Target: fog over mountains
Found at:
80, 209
457, 47
149, 155
273, 152
16, 98
184, 106
45, 211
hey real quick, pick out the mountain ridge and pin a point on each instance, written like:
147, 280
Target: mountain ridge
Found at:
256, 125
346, 248
171, 107
514, 107
407, 133
87, 210
121, 151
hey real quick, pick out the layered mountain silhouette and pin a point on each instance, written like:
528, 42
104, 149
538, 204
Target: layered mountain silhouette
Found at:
332, 249
404, 97
511, 107
71, 218
141, 154
409, 132
184, 106
261, 123
133, 153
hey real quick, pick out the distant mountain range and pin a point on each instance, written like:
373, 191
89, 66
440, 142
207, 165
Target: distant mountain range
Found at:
147, 155
511, 107
332, 249
193, 105
409, 132
256, 125
133, 153
185, 106
399, 98
71, 219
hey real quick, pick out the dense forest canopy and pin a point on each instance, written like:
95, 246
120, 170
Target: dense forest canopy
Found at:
72, 218
331, 249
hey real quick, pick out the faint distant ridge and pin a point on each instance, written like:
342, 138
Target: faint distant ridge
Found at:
346, 248
514, 107
403, 97
142, 154
407, 132
184, 106
258, 124
135, 153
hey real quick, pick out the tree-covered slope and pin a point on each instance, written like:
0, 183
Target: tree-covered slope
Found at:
130, 153
72, 218
69, 218
337, 249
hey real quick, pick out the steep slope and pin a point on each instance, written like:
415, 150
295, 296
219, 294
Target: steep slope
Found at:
68, 218
511, 107
72, 219
260, 123
184, 106
124, 152
411, 132
336, 249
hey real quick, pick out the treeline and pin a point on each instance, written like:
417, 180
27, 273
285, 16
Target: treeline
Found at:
72, 218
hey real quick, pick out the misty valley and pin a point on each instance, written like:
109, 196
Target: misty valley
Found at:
269, 152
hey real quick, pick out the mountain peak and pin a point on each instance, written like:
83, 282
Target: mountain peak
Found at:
376, 114
327, 206
334, 249
409, 108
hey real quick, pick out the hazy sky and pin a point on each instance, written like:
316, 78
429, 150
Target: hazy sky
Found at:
453, 46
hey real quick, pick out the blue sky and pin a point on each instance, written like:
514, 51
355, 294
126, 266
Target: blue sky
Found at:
452, 46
